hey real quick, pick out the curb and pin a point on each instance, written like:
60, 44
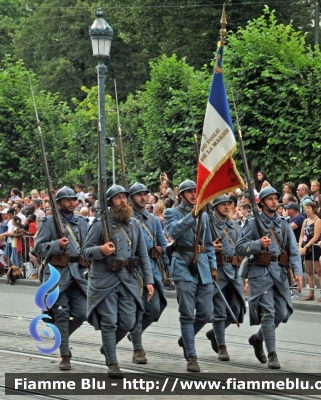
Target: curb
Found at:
171, 294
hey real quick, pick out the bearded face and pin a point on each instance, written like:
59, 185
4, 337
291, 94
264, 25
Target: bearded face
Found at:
122, 212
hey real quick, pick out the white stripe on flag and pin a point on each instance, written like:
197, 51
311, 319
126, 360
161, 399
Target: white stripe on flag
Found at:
217, 139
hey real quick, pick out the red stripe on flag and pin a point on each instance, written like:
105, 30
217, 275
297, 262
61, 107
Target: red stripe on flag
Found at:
224, 179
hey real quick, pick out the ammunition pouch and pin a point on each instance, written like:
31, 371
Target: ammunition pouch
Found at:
60, 261
219, 258
284, 259
236, 260
263, 259
116, 264
155, 252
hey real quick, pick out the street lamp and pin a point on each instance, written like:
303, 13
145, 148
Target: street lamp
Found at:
101, 36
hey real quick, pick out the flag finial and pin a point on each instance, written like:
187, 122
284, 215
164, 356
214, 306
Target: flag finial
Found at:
223, 26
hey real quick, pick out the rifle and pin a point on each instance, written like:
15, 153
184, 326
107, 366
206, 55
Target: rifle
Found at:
120, 144
59, 227
263, 231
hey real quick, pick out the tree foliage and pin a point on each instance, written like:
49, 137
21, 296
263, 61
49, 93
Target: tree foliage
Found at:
276, 82
20, 162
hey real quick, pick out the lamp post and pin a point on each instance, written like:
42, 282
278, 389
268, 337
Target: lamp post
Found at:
101, 36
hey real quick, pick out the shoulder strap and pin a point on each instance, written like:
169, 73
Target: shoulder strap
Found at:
276, 239
147, 230
73, 236
229, 237
117, 228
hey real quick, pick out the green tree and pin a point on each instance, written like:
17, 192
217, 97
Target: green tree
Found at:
20, 162
276, 82
11, 12
53, 40
159, 123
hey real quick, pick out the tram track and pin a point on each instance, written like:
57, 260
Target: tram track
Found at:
156, 355
8, 390
151, 373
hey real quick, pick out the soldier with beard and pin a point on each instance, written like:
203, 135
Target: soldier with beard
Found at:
230, 283
114, 299
269, 295
156, 246
69, 311
194, 289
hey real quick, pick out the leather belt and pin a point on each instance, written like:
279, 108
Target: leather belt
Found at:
73, 259
275, 257
200, 249
227, 258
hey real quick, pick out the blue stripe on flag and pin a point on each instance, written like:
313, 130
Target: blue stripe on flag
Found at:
217, 97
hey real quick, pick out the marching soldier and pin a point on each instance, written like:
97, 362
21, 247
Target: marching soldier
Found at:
114, 299
156, 246
269, 294
230, 283
69, 311
194, 288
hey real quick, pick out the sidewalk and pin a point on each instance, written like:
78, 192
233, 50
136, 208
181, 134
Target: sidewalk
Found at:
309, 306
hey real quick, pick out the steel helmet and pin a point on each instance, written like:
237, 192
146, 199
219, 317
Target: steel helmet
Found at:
136, 188
186, 185
221, 199
66, 192
266, 191
115, 189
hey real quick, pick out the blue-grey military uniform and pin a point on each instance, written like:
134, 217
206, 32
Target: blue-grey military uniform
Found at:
230, 283
69, 311
269, 294
193, 292
114, 300
157, 304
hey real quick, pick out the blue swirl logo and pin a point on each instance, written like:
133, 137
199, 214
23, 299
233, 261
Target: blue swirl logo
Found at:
45, 301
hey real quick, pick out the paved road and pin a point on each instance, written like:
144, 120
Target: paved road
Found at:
298, 343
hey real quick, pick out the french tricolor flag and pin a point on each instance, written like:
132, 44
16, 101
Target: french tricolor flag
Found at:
217, 173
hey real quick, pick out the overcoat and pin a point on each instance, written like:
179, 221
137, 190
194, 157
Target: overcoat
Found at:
47, 244
179, 225
263, 278
156, 230
100, 281
227, 274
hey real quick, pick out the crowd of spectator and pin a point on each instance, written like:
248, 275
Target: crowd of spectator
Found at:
301, 207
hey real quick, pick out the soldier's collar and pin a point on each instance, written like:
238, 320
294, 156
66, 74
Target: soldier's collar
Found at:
271, 221
142, 215
186, 207
73, 217
221, 223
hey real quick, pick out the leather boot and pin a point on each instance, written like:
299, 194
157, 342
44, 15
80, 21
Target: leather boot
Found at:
273, 361
258, 348
102, 350
115, 372
139, 357
211, 336
192, 364
181, 344
65, 363
222, 353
